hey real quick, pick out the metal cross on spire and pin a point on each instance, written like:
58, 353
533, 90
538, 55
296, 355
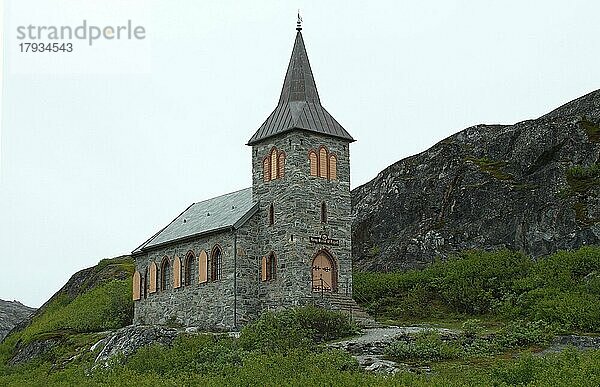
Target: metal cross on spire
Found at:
299, 22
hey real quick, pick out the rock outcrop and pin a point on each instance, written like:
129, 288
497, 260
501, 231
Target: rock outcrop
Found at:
12, 313
531, 187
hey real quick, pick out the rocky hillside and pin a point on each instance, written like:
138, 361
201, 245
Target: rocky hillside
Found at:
532, 187
96, 299
11, 313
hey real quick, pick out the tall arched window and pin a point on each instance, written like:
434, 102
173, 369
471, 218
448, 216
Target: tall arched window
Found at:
153, 278
137, 285
266, 169
280, 164
165, 274
176, 272
323, 212
189, 269
216, 263
269, 267
145, 287
332, 167
202, 267
312, 157
271, 215
323, 162
273, 165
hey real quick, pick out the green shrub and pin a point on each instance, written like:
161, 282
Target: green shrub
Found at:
524, 333
188, 353
295, 328
427, 346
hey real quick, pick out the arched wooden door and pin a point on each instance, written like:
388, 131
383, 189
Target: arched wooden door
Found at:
324, 275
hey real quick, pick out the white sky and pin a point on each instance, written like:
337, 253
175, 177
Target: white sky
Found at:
103, 146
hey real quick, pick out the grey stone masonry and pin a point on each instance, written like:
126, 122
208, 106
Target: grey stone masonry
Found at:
246, 233
296, 198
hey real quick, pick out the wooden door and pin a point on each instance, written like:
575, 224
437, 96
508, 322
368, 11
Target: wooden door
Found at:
323, 273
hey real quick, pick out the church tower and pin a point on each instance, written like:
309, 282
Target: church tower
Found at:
301, 180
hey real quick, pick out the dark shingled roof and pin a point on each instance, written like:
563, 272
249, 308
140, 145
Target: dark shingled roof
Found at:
299, 105
217, 214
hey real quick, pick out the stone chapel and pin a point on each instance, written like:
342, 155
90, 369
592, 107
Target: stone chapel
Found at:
283, 242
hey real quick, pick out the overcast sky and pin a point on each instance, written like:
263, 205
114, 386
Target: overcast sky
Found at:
103, 146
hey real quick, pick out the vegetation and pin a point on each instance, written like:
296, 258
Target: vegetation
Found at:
591, 130
509, 306
562, 289
491, 167
581, 179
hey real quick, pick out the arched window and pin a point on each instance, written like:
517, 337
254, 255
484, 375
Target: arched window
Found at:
332, 167
280, 165
202, 267
153, 277
269, 267
271, 215
145, 285
216, 259
266, 169
323, 212
137, 285
273, 164
189, 269
165, 274
312, 157
323, 162
176, 272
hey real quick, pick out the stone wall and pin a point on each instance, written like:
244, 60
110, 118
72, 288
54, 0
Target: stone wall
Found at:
210, 305
297, 198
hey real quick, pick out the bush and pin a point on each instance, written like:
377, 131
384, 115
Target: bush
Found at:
427, 346
523, 333
295, 328
562, 289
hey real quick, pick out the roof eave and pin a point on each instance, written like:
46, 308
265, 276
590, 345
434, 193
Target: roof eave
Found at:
254, 142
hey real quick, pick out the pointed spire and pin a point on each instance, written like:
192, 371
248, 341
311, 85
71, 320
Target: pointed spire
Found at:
299, 105
299, 83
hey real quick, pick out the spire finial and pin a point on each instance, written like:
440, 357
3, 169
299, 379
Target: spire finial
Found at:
299, 22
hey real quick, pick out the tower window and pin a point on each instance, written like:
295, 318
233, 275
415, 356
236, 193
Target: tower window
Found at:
266, 169
273, 165
268, 267
323, 163
323, 212
314, 169
271, 215
332, 167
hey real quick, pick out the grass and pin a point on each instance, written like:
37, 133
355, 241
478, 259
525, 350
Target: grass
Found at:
480, 291
581, 179
491, 167
591, 130
563, 289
